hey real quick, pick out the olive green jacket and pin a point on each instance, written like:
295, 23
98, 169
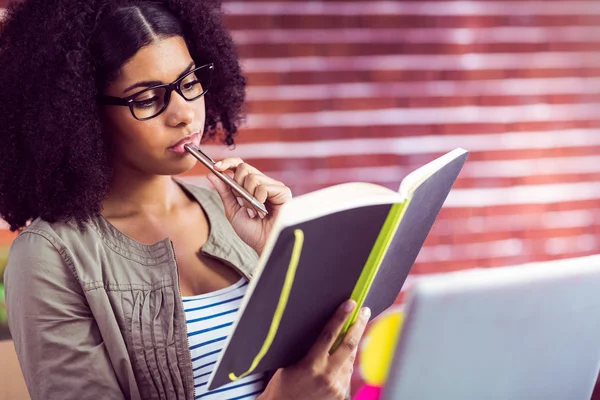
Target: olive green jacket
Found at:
97, 315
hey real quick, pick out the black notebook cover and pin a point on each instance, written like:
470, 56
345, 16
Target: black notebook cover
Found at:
335, 250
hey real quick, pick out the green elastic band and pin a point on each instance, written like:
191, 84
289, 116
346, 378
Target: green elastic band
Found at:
362, 287
283, 299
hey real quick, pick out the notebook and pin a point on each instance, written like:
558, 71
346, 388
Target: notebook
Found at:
524, 332
354, 240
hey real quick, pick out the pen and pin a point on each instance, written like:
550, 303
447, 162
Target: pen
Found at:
210, 164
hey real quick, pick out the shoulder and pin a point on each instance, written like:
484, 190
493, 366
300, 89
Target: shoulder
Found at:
37, 257
40, 230
58, 235
40, 238
44, 243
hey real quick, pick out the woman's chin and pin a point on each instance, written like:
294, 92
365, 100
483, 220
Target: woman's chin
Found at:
164, 165
177, 167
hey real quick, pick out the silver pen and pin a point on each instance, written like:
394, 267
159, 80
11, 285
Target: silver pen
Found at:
236, 187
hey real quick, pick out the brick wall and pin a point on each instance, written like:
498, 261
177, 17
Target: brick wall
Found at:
356, 90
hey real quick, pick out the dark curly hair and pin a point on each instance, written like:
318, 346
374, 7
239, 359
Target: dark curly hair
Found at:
55, 57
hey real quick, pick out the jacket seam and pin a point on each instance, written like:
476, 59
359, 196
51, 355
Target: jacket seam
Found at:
126, 287
62, 251
112, 247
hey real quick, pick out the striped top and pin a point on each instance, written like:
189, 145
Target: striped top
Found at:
210, 319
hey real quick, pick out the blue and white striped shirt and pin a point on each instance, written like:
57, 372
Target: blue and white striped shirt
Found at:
210, 319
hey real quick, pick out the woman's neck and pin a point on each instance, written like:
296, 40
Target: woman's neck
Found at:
132, 193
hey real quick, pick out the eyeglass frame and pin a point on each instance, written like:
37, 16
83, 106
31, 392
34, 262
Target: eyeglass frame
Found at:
128, 101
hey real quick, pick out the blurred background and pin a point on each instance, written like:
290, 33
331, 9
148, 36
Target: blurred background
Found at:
370, 90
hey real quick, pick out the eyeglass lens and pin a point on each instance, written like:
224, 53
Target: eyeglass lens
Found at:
151, 101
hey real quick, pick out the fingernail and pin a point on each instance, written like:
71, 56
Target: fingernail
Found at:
251, 213
349, 305
261, 215
365, 313
218, 164
240, 201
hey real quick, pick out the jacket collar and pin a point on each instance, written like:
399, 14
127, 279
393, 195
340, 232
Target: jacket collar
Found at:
222, 243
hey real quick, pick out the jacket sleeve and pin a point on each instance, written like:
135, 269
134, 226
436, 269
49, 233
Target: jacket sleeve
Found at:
60, 350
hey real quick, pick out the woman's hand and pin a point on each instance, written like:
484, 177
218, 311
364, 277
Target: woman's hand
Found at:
251, 226
320, 375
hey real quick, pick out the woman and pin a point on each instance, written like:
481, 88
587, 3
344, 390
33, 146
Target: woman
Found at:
113, 283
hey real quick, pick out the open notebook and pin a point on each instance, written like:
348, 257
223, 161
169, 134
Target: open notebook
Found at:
354, 240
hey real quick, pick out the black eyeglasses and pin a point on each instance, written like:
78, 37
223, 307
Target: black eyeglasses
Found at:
154, 100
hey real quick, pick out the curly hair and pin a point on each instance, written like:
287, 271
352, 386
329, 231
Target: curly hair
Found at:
55, 58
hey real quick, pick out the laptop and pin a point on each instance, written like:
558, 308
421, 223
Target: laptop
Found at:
527, 332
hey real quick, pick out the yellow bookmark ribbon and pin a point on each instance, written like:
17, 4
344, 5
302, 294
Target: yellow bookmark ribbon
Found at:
283, 299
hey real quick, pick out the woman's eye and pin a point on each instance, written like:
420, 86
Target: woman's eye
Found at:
190, 85
146, 103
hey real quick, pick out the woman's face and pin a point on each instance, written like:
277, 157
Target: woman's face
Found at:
150, 147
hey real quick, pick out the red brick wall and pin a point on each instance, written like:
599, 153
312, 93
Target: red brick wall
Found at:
360, 90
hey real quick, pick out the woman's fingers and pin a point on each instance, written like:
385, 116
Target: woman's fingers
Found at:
227, 196
321, 375
228, 163
252, 181
239, 168
320, 349
346, 351
236, 169
260, 186
277, 194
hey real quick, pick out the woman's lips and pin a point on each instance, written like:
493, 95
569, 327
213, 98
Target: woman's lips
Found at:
178, 148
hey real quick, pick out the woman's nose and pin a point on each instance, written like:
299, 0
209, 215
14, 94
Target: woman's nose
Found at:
179, 110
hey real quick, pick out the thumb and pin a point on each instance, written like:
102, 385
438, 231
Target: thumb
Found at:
227, 196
